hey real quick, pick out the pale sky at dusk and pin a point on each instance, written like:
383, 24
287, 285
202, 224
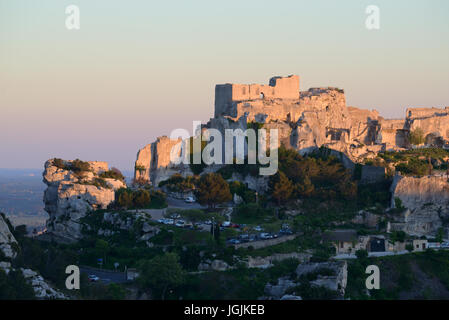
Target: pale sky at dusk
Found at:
138, 69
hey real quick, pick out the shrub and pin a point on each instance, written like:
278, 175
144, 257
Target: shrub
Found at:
114, 173
59, 163
79, 166
416, 136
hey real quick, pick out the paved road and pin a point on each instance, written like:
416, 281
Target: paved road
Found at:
105, 276
181, 204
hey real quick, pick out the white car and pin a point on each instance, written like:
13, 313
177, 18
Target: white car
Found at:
93, 278
258, 228
226, 224
445, 245
189, 200
180, 223
266, 236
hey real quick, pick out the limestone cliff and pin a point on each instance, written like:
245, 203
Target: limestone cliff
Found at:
7, 241
153, 161
71, 194
427, 202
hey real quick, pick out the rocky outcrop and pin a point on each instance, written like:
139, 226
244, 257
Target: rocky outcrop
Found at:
277, 290
7, 241
336, 281
330, 275
8, 247
115, 222
153, 161
214, 265
70, 195
426, 200
42, 289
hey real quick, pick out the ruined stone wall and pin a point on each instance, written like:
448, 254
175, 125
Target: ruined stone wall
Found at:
413, 113
278, 88
437, 125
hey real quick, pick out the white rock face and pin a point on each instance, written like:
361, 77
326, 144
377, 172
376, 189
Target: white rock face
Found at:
7, 240
69, 197
427, 201
42, 289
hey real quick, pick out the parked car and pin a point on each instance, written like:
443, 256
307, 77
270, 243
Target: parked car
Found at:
258, 228
208, 222
234, 225
93, 278
180, 223
233, 241
433, 245
285, 232
265, 236
189, 200
445, 245
226, 224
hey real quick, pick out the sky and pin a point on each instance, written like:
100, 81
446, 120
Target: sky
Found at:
136, 70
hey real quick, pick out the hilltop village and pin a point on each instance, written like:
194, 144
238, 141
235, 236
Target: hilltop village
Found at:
352, 189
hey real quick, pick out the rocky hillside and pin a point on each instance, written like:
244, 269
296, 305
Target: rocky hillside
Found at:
425, 201
74, 189
10, 274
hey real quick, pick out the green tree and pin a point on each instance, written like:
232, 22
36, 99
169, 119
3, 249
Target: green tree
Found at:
115, 291
161, 273
141, 198
417, 136
124, 198
194, 215
102, 248
440, 234
361, 254
281, 187
212, 190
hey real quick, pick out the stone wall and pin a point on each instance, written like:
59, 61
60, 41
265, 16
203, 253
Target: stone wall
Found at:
265, 243
278, 88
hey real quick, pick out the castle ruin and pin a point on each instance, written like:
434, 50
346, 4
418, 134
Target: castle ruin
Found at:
305, 120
